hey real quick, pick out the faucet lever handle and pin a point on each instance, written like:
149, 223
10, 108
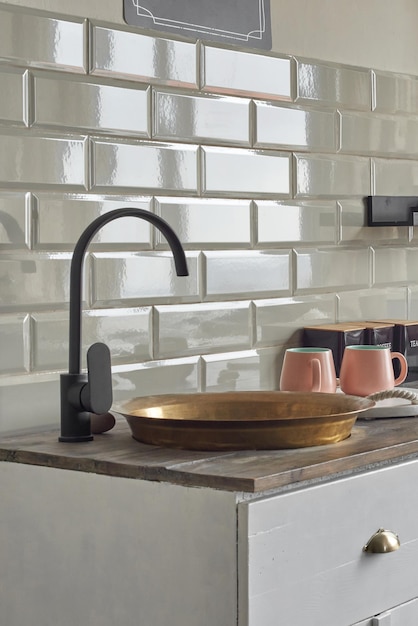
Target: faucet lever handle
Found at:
97, 395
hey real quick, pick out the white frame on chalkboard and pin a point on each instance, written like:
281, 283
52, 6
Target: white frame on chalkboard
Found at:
261, 31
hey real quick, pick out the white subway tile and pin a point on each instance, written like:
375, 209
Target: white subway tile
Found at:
29, 401
156, 378
341, 86
133, 279
325, 175
396, 93
280, 320
332, 269
412, 304
354, 225
12, 100
14, 341
202, 328
77, 104
127, 332
395, 265
13, 229
253, 370
283, 126
194, 117
394, 177
28, 281
133, 55
39, 41
288, 222
245, 172
373, 304
229, 71
373, 134
36, 160
247, 273
207, 222
144, 165
59, 220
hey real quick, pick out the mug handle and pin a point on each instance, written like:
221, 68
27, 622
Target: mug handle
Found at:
316, 375
404, 367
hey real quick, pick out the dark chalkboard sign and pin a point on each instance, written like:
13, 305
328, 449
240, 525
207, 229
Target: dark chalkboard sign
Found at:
240, 22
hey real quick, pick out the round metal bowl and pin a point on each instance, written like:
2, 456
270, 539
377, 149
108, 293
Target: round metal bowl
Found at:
246, 420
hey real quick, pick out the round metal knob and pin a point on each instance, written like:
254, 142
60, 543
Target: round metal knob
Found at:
382, 541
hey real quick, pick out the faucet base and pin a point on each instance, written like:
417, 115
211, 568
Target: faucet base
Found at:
75, 439
75, 421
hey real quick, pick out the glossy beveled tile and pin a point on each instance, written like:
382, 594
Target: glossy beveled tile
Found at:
13, 227
287, 222
395, 265
59, 220
78, 104
326, 175
202, 328
372, 304
283, 126
207, 222
396, 93
134, 55
132, 279
194, 117
14, 341
156, 378
234, 71
354, 225
325, 269
281, 320
334, 85
42, 41
234, 371
41, 392
247, 274
412, 304
241, 371
34, 280
143, 165
395, 177
245, 172
43, 160
127, 333
378, 134
12, 101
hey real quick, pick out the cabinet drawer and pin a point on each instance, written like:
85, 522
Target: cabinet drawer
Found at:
301, 559
405, 615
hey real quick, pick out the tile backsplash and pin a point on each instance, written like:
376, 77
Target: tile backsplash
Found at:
260, 162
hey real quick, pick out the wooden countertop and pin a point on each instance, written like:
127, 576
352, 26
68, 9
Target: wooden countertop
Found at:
372, 444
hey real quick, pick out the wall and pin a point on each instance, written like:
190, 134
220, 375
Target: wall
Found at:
260, 163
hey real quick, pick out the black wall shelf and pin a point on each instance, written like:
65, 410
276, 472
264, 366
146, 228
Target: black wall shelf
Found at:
392, 210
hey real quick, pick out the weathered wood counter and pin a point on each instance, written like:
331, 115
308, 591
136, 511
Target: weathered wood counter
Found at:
372, 444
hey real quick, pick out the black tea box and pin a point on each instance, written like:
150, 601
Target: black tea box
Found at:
336, 337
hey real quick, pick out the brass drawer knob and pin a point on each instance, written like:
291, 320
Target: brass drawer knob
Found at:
382, 541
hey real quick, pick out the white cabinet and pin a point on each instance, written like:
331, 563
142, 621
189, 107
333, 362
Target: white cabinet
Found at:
81, 548
301, 553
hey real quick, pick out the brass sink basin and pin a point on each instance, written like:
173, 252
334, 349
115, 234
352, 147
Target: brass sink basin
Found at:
252, 420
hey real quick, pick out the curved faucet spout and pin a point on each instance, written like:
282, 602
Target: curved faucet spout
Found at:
81, 394
77, 269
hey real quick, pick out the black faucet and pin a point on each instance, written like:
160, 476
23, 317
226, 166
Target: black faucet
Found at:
82, 394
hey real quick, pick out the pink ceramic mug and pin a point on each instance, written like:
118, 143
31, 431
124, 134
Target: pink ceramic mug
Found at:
308, 369
368, 369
